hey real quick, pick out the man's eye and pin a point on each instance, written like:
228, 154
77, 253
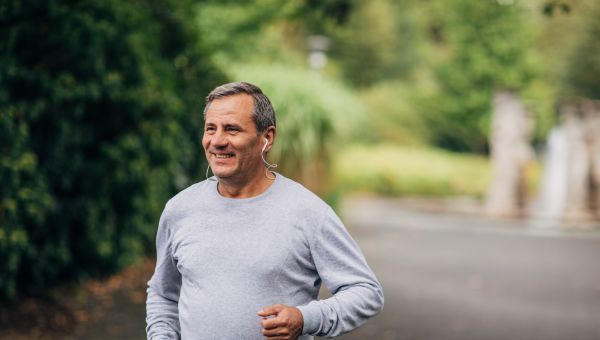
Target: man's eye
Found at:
209, 128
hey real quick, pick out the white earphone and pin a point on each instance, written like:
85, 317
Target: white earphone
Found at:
269, 165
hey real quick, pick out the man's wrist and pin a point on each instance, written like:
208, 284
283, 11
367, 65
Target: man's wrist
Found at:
311, 314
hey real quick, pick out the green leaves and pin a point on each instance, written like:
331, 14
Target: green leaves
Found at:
581, 78
490, 48
24, 198
99, 125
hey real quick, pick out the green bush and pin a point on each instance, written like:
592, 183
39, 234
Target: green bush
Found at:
25, 200
395, 114
411, 171
99, 125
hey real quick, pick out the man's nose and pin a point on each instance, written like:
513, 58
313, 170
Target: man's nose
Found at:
219, 139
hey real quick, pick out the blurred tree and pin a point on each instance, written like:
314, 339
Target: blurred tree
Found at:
489, 47
552, 6
267, 30
100, 107
581, 76
580, 115
379, 42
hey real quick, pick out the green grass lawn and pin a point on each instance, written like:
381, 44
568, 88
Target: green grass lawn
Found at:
410, 171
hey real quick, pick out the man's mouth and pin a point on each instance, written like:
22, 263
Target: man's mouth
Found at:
223, 155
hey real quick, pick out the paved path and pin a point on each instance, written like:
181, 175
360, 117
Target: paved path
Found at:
450, 276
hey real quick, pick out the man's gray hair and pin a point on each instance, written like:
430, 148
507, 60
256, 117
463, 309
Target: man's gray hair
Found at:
264, 114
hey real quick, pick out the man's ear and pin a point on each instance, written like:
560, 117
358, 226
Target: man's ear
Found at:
269, 136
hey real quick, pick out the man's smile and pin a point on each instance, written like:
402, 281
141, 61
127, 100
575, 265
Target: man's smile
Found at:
223, 155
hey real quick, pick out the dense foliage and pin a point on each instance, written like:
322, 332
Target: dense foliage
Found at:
581, 78
267, 30
379, 42
393, 170
99, 121
490, 51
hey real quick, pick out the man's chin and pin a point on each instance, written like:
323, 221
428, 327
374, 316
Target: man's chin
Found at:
223, 173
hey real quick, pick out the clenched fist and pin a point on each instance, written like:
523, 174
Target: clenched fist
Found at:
285, 324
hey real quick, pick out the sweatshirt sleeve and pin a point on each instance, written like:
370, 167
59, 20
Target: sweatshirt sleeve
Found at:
162, 315
357, 295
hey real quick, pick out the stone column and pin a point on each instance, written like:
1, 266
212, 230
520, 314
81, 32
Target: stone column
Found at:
582, 124
553, 186
510, 153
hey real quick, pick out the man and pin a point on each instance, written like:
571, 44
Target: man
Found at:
242, 255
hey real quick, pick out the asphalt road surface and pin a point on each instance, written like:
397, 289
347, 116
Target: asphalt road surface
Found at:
453, 276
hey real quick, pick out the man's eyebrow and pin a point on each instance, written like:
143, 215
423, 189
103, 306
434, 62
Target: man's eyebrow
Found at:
233, 125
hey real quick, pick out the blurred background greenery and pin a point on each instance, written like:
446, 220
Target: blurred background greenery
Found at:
101, 101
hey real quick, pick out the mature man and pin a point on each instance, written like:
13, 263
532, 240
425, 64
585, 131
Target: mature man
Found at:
242, 255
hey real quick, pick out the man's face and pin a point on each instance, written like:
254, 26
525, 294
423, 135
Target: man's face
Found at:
231, 142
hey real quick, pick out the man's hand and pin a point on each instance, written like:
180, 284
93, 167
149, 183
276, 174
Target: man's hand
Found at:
286, 323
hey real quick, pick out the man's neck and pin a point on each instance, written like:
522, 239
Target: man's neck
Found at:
244, 188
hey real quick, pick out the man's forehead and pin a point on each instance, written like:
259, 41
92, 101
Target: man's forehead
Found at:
234, 107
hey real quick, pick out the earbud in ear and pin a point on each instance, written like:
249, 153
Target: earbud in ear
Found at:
269, 165
265, 146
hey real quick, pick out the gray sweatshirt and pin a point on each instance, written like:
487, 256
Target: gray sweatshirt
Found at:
220, 260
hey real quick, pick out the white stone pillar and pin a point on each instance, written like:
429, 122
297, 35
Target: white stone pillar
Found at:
582, 123
510, 154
